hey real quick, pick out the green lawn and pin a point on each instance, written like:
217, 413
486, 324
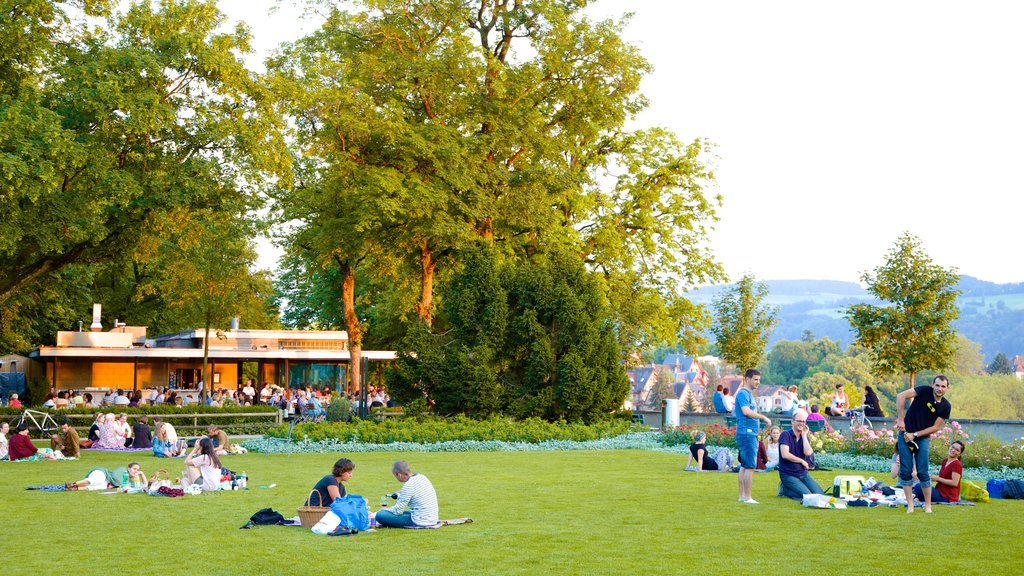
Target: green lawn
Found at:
586, 512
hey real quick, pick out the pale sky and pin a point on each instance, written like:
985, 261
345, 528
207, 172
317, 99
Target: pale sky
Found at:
838, 125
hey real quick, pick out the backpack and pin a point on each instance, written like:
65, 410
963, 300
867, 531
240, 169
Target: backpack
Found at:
352, 510
266, 516
1013, 489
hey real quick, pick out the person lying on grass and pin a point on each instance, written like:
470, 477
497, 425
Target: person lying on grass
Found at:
102, 478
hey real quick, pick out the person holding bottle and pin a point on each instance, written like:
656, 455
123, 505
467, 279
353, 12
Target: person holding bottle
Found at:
417, 493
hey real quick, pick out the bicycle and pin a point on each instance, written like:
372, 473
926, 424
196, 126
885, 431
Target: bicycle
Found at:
858, 416
45, 423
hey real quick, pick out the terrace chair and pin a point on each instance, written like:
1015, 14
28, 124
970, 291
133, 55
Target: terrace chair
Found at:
786, 424
815, 425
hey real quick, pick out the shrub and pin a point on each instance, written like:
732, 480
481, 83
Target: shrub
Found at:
433, 430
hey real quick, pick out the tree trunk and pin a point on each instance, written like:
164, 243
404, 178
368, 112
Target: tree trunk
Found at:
425, 308
355, 333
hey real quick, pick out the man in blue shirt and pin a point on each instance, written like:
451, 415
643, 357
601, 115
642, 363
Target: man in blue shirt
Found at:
748, 424
719, 402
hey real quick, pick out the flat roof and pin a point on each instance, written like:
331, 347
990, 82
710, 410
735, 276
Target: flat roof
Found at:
197, 353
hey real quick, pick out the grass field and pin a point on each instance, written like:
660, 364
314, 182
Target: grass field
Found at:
585, 512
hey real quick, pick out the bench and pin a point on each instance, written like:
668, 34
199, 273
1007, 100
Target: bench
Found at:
730, 421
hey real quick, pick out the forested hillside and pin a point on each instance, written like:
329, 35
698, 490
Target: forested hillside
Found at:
990, 314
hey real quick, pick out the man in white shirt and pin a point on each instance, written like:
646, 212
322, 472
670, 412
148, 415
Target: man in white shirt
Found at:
121, 399
249, 391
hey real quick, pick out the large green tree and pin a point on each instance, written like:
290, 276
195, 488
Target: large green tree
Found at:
430, 125
108, 125
743, 323
913, 329
527, 338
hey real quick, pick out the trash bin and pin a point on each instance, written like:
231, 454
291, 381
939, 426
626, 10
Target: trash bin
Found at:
669, 413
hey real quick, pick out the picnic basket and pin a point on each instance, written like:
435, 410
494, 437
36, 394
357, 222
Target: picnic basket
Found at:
310, 515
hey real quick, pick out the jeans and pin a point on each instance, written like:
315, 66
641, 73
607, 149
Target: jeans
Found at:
908, 461
389, 518
936, 495
796, 486
748, 450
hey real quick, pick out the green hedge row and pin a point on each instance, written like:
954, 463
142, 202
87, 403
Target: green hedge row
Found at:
427, 430
230, 425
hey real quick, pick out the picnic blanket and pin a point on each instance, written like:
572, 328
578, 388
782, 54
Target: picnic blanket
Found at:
48, 488
118, 449
439, 524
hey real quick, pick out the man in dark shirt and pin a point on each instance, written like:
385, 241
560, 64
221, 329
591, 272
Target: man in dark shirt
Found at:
928, 413
795, 460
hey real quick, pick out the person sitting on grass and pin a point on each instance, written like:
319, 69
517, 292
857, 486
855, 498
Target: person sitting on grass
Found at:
107, 433
5, 429
202, 465
67, 442
142, 436
220, 439
163, 446
795, 460
417, 493
330, 487
22, 448
768, 451
102, 478
947, 481
722, 461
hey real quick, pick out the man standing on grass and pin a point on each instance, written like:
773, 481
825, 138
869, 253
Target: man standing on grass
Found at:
747, 427
928, 413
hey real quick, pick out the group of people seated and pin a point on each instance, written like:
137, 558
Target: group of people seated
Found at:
113, 432
416, 502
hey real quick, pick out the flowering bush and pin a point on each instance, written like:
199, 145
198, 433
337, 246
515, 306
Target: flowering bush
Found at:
864, 440
828, 441
718, 435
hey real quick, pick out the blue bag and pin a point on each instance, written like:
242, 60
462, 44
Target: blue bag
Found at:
995, 487
353, 512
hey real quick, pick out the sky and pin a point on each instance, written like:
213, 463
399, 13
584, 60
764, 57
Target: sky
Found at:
837, 125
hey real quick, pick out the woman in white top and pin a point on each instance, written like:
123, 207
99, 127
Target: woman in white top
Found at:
729, 400
5, 429
202, 465
772, 449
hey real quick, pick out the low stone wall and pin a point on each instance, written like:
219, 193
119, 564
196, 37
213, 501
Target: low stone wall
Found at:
1004, 430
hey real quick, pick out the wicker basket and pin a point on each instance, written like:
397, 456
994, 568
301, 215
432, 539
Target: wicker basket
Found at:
310, 515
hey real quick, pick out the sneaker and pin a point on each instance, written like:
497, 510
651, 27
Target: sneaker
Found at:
750, 501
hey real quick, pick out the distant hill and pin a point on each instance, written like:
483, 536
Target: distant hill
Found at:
990, 314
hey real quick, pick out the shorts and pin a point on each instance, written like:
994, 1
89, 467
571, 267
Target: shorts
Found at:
748, 451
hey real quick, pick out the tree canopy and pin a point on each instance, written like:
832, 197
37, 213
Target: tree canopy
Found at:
914, 331
107, 130
743, 323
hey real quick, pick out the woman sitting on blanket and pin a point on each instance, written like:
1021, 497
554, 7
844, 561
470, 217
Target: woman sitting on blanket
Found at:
947, 481
103, 478
202, 465
722, 460
20, 447
162, 445
108, 434
330, 487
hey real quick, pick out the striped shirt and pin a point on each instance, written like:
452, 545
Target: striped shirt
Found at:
418, 493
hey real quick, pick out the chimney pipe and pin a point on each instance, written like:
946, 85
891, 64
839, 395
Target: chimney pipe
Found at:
234, 323
96, 326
